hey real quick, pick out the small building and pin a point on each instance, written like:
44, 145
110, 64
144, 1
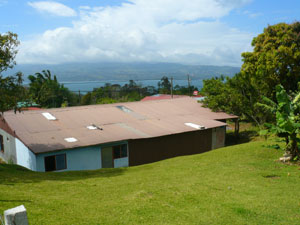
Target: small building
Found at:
167, 96
109, 136
162, 97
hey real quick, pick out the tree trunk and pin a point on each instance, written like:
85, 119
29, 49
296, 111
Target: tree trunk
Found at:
287, 139
294, 146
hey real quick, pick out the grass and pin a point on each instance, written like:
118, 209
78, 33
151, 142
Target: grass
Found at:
241, 184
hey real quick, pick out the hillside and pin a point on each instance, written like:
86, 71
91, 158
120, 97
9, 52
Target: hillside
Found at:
125, 71
241, 184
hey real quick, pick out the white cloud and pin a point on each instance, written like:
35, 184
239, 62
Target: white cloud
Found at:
3, 2
252, 15
157, 30
54, 8
85, 7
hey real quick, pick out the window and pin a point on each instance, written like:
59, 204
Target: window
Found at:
48, 116
55, 162
120, 151
1, 144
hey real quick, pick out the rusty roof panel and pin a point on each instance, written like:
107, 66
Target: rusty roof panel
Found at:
138, 120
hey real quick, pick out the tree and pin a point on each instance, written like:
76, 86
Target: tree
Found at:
164, 86
47, 91
86, 99
8, 44
275, 60
11, 91
287, 122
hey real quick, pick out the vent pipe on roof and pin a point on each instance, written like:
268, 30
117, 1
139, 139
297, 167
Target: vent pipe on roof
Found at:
94, 127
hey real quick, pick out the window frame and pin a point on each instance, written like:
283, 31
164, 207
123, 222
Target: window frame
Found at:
119, 148
55, 165
1, 143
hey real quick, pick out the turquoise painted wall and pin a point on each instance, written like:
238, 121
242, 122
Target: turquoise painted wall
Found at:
122, 162
88, 158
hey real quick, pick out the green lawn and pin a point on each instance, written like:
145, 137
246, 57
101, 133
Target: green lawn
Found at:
241, 184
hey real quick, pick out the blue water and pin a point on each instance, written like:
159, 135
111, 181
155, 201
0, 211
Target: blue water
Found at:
87, 86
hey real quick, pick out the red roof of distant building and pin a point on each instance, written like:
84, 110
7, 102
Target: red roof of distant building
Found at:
31, 108
161, 97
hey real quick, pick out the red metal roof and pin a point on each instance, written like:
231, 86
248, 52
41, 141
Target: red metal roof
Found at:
31, 108
161, 97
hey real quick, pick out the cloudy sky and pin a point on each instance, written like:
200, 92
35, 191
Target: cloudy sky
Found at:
207, 32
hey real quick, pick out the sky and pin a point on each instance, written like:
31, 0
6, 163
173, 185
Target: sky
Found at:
203, 32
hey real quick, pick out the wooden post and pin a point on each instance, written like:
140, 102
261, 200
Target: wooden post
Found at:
172, 87
189, 84
79, 97
237, 127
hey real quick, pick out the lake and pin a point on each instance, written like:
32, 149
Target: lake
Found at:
87, 86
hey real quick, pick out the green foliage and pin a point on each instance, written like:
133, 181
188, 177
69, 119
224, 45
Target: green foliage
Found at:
48, 92
86, 99
106, 101
274, 60
8, 44
182, 90
164, 86
112, 93
287, 118
132, 91
216, 92
227, 94
11, 92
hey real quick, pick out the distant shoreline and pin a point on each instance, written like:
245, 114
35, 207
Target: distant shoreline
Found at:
87, 86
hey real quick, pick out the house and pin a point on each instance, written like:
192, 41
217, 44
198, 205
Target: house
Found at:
109, 136
167, 96
161, 97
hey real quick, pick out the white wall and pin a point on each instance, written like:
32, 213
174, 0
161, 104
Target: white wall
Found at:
25, 157
9, 154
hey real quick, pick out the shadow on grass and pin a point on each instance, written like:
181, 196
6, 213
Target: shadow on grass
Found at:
21, 201
13, 174
243, 137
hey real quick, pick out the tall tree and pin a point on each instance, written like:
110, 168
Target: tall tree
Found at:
47, 91
8, 44
11, 89
275, 60
164, 86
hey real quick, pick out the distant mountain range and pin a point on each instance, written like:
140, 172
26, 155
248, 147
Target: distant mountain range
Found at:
125, 71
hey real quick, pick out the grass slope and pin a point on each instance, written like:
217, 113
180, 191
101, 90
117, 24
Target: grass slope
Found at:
242, 184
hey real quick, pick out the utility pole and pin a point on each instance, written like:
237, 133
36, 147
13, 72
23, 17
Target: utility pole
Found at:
79, 97
172, 87
189, 84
